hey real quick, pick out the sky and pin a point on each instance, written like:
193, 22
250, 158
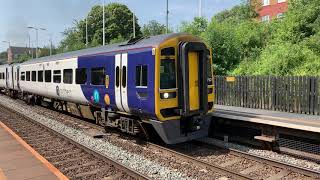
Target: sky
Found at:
57, 15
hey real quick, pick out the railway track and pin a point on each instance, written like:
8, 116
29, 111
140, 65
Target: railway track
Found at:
283, 169
236, 165
74, 160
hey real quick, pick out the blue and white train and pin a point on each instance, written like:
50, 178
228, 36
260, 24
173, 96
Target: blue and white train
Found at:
159, 84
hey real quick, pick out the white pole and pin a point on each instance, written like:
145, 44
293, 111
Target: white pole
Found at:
37, 42
103, 30
86, 31
167, 20
50, 45
200, 8
134, 26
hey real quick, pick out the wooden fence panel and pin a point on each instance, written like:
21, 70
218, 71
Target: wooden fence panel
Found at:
297, 94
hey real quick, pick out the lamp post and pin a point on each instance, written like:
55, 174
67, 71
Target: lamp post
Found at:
36, 28
167, 19
103, 24
7, 42
200, 8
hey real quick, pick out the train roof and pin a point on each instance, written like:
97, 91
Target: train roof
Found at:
151, 41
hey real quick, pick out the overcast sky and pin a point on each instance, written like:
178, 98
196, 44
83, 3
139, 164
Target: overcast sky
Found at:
57, 15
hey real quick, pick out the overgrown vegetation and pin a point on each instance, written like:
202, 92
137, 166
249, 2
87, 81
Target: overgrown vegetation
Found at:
244, 46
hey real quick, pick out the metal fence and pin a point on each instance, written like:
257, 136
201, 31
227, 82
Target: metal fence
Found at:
289, 94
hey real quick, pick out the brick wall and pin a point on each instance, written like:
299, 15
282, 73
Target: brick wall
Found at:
271, 11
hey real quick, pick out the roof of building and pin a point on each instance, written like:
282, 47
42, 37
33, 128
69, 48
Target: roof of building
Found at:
20, 50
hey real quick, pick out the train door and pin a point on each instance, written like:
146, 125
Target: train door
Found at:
193, 96
13, 77
18, 77
7, 77
121, 74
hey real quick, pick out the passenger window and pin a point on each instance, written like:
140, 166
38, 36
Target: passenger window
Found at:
81, 76
67, 76
57, 76
47, 75
40, 76
167, 74
34, 75
97, 76
142, 76
28, 76
23, 76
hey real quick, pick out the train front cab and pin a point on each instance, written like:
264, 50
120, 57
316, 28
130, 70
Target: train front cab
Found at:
183, 90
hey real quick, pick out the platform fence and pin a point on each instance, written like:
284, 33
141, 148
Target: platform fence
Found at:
296, 94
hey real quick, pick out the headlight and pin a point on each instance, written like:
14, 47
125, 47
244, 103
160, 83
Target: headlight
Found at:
168, 95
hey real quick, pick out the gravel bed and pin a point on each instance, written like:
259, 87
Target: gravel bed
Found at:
266, 154
137, 162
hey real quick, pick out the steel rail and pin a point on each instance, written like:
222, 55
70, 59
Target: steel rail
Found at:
272, 162
132, 173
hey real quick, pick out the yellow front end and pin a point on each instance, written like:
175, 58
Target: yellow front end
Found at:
167, 79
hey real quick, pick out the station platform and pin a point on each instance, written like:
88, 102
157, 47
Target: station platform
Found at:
303, 122
20, 161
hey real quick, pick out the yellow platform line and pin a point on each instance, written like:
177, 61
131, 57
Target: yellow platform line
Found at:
2, 176
53, 169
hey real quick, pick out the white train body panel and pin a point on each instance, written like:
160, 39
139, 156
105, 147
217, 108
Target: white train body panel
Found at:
66, 92
3, 76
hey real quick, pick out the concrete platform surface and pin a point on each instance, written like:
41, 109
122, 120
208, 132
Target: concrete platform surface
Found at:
282, 119
18, 161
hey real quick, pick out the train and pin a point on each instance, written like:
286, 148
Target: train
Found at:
159, 85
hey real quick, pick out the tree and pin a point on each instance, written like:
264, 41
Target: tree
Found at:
119, 23
293, 48
72, 41
118, 26
196, 27
153, 28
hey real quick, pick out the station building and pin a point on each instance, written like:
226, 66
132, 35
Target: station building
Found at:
270, 9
